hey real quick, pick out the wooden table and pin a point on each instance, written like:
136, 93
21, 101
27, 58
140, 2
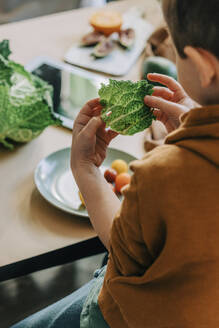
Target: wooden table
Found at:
29, 225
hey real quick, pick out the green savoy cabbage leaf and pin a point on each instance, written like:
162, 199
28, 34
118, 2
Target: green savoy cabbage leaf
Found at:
25, 102
4, 49
124, 110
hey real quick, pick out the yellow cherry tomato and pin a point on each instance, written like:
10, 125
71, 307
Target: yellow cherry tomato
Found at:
120, 166
81, 198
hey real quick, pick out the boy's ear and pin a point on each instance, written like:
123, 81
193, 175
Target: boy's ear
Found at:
204, 62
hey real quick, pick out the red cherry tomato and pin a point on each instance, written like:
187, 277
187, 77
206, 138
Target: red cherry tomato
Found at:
110, 175
122, 180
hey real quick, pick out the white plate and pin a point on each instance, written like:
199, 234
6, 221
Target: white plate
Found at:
56, 184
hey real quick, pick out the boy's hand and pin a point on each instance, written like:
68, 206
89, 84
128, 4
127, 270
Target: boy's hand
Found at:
89, 137
89, 144
170, 102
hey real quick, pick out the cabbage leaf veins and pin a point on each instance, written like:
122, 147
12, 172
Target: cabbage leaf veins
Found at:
124, 110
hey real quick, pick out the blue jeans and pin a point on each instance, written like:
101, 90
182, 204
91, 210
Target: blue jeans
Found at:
62, 314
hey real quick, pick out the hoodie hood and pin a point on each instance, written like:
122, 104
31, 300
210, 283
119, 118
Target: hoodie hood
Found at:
199, 133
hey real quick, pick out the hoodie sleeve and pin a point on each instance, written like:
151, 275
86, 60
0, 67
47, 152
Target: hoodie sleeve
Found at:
128, 250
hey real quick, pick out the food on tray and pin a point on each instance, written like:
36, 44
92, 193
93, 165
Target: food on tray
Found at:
103, 48
25, 102
81, 198
122, 180
110, 175
106, 21
120, 166
117, 177
124, 110
161, 65
92, 38
127, 37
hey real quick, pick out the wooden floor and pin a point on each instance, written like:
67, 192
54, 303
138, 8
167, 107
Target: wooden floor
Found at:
23, 296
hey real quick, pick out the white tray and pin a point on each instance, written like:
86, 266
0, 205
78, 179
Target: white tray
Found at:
120, 60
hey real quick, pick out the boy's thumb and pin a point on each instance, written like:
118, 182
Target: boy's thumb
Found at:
93, 125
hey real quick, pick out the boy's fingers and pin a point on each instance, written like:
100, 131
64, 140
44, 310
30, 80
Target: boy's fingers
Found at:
162, 104
93, 102
163, 92
111, 135
92, 126
97, 110
162, 117
106, 134
156, 102
88, 108
168, 81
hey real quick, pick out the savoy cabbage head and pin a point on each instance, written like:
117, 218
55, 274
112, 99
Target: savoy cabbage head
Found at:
25, 102
124, 110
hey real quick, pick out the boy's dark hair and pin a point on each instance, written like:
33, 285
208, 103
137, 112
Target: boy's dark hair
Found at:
193, 23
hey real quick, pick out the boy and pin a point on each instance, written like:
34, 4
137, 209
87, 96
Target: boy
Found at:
163, 267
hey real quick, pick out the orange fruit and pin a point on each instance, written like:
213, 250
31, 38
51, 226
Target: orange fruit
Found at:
122, 180
106, 21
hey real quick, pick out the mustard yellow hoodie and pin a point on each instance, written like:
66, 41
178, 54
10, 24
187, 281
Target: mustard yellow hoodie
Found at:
163, 268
